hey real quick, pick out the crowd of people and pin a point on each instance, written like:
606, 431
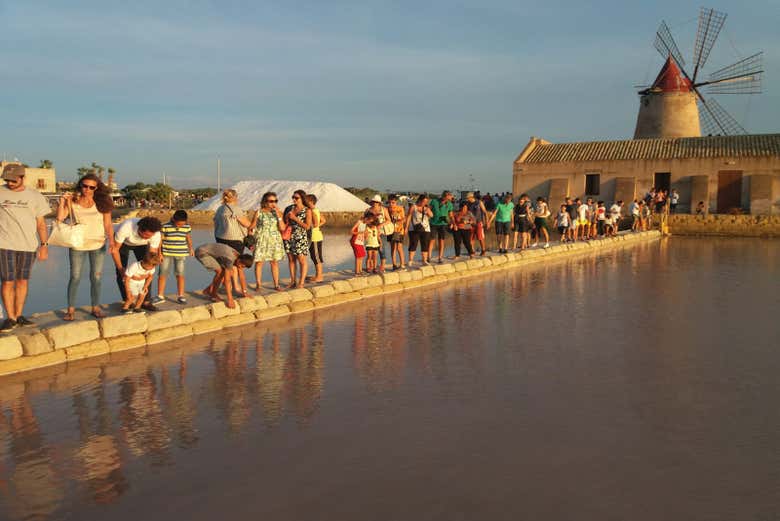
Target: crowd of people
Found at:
268, 235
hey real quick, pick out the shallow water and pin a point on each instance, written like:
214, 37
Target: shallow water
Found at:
49, 279
641, 384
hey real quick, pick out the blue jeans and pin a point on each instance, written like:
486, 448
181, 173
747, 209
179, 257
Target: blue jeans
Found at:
96, 258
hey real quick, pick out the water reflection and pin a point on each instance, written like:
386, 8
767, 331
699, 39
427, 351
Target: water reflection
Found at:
31, 486
530, 341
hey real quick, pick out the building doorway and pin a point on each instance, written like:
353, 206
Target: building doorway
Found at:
729, 190
663, 181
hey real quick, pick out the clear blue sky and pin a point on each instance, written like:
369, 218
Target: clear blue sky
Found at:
386, 94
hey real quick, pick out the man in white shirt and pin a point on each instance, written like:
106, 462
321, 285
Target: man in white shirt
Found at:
140, 236
23, 237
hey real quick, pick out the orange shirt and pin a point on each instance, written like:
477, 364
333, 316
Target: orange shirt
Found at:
398, 217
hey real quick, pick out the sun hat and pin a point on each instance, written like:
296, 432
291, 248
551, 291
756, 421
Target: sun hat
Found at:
376, 199
12, 172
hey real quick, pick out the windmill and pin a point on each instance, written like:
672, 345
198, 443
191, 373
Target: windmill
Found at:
674, 105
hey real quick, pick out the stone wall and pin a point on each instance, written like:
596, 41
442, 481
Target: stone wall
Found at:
205, 218
53, 341
729, 225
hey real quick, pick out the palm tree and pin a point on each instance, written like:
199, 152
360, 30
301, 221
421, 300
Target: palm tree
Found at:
45, 163
111, 173
98, 170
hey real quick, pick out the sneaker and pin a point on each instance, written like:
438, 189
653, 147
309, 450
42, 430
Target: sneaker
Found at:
158, 299
22, 321
440, 261
8, 325
138, 310
128, 311
182, 300
410, 264
148, 306
546, 244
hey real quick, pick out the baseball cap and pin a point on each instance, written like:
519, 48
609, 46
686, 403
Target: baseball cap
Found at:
12, 172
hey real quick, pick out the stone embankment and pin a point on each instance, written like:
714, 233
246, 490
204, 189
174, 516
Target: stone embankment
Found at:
53, 341
206, 217
726, 225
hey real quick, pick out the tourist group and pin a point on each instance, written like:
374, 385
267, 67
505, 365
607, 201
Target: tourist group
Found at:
267, 235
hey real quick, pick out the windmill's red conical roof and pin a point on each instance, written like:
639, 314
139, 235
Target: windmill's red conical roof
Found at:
670, 79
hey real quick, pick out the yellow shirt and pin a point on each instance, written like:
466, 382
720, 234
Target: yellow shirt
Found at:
316, 233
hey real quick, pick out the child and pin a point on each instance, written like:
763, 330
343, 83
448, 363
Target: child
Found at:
644, 215
358, 243
224, 261
583, 220
138, 278
315, 237
176, 246
398, 218
562, 221
372, 245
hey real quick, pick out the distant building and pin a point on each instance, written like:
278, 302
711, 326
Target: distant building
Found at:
726, 172
43, 180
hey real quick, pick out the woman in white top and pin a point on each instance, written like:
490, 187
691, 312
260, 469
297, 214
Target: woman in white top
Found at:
418, 226
230, 223
91, 205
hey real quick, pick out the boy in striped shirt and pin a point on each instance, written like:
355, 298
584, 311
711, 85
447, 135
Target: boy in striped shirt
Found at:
176, 246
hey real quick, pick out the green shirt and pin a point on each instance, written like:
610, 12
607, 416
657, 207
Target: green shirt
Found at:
441, 212
504, 212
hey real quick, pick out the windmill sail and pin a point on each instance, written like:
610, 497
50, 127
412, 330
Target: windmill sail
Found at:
710, 24
742, 77
716, 121
665, 44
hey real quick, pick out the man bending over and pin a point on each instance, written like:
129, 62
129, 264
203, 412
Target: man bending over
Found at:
223, 260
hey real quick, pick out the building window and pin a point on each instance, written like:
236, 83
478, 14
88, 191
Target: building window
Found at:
41, 184
592, 182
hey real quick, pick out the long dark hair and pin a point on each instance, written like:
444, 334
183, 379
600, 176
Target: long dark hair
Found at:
264, 201
302, 194
102, 196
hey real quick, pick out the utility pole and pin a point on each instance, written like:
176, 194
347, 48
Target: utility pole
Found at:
219, 174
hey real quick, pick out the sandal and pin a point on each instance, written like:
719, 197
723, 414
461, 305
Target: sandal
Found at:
68, 317
97, 313
278, 288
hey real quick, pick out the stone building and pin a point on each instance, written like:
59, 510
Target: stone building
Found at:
43, 180
727, 172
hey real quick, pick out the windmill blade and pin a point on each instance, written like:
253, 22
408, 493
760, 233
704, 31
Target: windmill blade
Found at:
716, 121
742, 77
665, 44
710, 24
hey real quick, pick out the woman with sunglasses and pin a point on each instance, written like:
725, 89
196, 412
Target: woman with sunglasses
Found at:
298, 217
268, 225
91, 205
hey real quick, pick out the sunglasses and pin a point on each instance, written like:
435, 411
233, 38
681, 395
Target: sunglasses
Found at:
296, 197
273, 201
89, 187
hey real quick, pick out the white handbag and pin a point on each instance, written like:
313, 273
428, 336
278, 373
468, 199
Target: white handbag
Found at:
68, 235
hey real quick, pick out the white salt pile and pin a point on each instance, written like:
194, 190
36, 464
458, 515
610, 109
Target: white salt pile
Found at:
330, 197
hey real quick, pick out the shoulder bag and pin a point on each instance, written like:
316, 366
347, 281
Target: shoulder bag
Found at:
68, 235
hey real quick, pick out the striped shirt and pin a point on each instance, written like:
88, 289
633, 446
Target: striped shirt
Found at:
174, 240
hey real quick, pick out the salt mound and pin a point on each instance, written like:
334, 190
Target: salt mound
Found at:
330, 197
